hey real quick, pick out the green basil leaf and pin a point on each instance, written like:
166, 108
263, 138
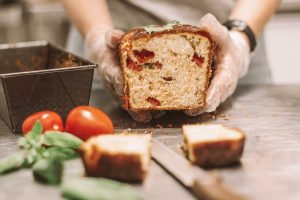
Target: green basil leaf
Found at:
156, 28
98, 188
33, 139
12, 162
33, 155
61, 139
36, 131
61, 153
48, 171
22, 142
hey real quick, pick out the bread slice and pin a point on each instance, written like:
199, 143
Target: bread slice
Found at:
123, 157
166, 67
212, 145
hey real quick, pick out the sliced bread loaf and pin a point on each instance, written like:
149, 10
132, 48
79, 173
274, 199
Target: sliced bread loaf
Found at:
166, 67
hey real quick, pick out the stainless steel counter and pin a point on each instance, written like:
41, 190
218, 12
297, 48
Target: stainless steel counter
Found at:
269, 168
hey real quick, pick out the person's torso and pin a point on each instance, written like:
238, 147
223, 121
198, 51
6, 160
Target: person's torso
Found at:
132, 13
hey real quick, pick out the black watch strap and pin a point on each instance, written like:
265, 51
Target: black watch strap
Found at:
240, 25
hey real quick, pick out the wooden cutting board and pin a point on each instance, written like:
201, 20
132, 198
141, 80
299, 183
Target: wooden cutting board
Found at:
269, 169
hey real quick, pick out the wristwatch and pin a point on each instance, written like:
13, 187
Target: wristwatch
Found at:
242, 26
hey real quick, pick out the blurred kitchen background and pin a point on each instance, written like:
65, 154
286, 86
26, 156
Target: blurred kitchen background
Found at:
27, 20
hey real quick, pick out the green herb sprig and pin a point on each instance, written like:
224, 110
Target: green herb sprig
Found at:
44, 153
159, 28
98, 188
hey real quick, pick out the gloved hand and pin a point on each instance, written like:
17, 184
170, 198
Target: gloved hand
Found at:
100, 46
231, 62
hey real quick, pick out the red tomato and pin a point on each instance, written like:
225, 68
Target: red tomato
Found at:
87, 121
49, 119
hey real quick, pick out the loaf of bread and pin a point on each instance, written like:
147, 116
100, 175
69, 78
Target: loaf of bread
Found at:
124, 157
166, 67
212, 145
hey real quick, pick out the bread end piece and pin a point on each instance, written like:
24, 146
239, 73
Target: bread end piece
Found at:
124, 157
213, 145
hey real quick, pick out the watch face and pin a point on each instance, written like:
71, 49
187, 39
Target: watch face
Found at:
240, 25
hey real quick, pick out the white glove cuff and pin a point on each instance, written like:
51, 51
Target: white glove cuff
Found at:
94, 40
243, 52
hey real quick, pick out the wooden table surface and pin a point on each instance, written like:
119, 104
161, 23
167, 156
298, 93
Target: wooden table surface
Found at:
269, 168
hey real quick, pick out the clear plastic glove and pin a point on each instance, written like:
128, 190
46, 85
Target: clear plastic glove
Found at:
100, 46
231, 62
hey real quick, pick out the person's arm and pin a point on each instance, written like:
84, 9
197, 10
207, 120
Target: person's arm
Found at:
256, 13
87, 14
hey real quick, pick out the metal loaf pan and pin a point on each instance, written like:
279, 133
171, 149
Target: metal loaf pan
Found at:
38, 76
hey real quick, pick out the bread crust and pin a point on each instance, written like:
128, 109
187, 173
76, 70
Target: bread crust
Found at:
118, 167
217, 153
102, 162
137, 33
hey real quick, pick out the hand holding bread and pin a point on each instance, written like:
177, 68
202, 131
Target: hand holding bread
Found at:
100, 46
231, 62
168, 67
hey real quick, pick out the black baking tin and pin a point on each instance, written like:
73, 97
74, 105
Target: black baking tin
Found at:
38, 76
